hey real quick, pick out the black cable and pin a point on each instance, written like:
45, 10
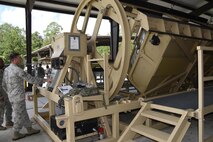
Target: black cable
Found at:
78, 76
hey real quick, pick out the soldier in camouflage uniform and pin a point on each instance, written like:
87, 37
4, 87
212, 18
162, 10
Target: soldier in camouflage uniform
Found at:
5, 105
13, 84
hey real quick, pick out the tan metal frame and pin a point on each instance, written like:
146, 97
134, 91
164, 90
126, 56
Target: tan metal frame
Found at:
115, 74
114, 10
73, 115
201, 79
177, 134
75, 110
172, 28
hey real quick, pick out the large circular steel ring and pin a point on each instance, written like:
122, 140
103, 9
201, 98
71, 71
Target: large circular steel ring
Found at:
114, 10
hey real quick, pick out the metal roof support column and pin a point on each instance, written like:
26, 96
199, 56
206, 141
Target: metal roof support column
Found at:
28, 10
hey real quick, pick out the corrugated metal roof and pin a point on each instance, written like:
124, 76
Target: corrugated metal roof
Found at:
61, 6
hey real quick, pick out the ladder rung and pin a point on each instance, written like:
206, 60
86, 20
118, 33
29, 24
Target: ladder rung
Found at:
208, 78
162, 117
151, 133
99, 59
168, 109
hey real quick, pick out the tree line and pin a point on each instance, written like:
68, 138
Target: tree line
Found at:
13, 39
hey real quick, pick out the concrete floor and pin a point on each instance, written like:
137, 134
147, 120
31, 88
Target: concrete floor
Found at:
191, 135
6, 136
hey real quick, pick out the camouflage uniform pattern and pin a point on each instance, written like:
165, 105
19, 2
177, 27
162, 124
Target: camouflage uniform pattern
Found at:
5, 105
92, 91
13, 84
21, 118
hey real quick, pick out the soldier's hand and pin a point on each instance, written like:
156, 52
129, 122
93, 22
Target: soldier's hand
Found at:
30, 97
48, 80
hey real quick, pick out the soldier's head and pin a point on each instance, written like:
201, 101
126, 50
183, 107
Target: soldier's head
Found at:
15, 58
1, 63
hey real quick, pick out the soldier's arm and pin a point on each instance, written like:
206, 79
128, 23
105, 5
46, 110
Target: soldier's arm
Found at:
26, 76
4, 82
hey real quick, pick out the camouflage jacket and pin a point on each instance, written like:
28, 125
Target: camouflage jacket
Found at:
2, 92
13, 82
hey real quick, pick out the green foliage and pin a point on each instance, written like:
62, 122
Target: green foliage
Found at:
106, 49
52, 30
12, 39
35, 59
103, 49
37, 41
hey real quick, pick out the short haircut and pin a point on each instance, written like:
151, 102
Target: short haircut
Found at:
13, 56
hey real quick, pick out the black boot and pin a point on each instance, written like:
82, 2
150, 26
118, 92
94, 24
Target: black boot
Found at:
31, 131
17, 135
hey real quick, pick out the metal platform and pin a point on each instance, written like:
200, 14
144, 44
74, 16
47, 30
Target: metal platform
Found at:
186, 100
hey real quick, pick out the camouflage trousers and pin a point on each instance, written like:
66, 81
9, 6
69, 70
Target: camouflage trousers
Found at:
21, 118
5, 108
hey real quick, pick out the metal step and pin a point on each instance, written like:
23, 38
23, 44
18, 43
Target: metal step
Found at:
151, 133
162, 117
